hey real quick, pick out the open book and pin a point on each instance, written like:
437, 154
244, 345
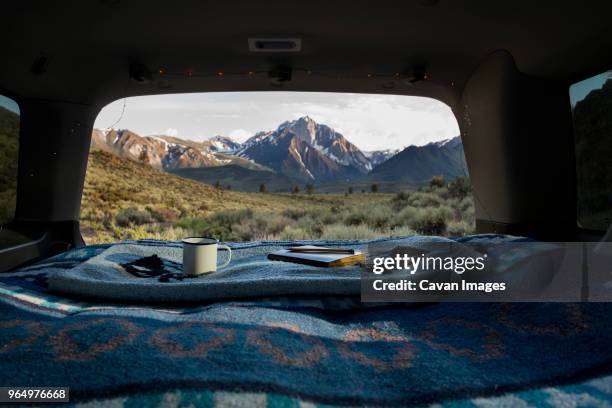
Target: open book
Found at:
311, 257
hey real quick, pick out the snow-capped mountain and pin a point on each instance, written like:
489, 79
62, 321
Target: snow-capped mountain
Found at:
329, 142
421, 163
223, 144
164, 152
307, 150
377, 157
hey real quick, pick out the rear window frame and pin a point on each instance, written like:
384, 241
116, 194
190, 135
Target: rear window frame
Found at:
580, 222
16, 100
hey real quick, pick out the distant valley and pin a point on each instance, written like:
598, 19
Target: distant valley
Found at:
298, 153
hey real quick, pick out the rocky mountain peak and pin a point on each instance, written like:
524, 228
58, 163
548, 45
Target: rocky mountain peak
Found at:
223, 144
305, 128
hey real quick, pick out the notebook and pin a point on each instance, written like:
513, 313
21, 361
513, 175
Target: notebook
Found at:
324, 260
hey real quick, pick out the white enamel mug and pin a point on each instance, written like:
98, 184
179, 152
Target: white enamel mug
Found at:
200, 255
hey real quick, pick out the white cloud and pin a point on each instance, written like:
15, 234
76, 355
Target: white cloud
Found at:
240, 135
171, 132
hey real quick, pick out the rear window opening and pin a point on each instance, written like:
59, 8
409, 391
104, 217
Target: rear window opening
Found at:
591, 102
247, 166
9, 156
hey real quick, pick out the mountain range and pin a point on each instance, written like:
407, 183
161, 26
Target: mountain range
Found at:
298, 152
168, 152
417, 164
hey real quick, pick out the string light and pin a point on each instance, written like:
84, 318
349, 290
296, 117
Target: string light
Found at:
309, 72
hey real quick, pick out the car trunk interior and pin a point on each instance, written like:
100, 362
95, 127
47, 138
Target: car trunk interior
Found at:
504, 69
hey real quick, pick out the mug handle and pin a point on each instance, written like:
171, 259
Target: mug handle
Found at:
229, 255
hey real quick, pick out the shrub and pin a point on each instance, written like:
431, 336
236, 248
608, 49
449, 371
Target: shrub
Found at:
249, 230
431, 221
291, 233
428, 221
400, 200
229, 217
154, 232
459, 188
261, 226
195, 226
379, 217
466, 205
459, 228
131, 215
355, 217
328, 217
404, 231
436, 181
337, 231
294, 214
160, 214
424, 199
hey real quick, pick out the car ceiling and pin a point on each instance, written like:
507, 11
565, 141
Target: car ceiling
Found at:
81, 51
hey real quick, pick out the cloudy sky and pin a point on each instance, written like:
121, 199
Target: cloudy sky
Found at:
372, 122
9, 104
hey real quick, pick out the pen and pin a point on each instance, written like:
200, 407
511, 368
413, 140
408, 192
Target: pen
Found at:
322, 250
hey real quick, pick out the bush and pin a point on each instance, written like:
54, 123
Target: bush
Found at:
195, 226
424, 199
428, 221
328, 217
164, 214
379, 217
459, 228
338, 231
399, 201
459, 188
402, 232
436, 181
261, 226
132, 216
294, 214
249, 230
356, 217
229, 217
291, 233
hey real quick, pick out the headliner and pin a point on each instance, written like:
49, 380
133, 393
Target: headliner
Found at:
90, 45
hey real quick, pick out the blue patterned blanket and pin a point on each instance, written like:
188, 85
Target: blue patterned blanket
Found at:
151, 271
282, 351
